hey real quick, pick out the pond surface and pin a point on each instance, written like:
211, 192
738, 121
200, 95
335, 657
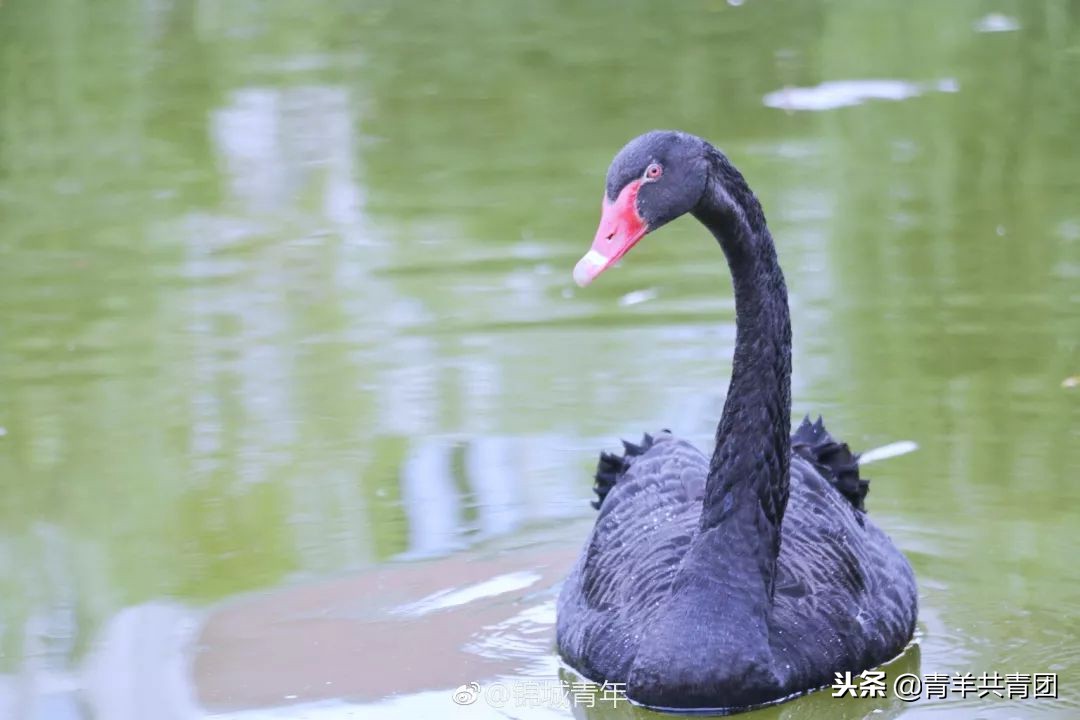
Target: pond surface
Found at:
298, 402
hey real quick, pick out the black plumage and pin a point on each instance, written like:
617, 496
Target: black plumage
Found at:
735, 580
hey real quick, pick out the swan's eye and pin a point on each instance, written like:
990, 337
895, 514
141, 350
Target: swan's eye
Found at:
654, 171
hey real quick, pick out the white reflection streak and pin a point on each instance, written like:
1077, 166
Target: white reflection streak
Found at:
495, 480
521, 479
255, 152
407, 391
429, 497
482, 390
248, 136
547, 474
139, 666
845, 93
274, 145
452, 598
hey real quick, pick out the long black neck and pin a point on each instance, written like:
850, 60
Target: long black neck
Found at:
748, 473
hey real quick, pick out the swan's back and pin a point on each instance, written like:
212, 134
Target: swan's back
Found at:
844, 596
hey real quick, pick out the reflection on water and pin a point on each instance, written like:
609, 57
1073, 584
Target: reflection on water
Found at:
838, 94
298, 403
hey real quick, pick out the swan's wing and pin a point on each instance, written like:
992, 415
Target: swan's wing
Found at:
653, 461
649, 513
832, 459
844, 596
655, 486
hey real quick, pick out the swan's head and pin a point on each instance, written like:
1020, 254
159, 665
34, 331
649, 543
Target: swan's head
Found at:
656, 178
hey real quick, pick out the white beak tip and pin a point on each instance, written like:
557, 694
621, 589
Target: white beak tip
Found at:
588, 267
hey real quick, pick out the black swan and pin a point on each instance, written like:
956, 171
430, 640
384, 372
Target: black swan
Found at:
734, 581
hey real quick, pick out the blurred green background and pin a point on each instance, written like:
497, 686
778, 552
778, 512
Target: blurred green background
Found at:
285, 296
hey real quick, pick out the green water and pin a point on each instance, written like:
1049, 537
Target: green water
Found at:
299, 403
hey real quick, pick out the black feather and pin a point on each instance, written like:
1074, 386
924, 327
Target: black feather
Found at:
834, 460
611, 467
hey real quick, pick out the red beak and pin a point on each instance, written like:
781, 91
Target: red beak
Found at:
620, 228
